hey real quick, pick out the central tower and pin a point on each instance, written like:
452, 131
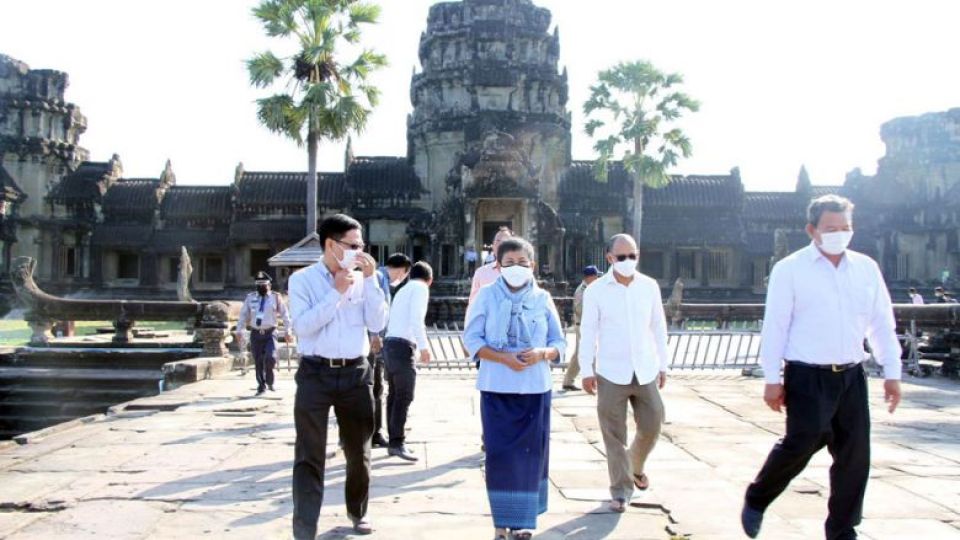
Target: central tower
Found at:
490, 131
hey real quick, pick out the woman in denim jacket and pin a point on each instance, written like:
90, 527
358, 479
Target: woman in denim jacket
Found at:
513, 330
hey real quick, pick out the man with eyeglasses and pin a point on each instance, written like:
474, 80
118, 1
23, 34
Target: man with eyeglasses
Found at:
334, 304
623, 357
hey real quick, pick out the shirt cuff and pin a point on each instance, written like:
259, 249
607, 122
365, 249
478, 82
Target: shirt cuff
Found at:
893, 372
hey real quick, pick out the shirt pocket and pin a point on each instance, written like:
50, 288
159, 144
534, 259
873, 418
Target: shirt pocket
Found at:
862, 301
537, 327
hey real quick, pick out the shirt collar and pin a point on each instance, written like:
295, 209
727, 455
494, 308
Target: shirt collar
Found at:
814, 254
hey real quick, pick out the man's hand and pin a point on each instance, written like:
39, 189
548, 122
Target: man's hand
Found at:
513, 362
891, 394
376, 344
425, 356
589, 385
662, 380
343, 281
773, 395
366, 264
288, 338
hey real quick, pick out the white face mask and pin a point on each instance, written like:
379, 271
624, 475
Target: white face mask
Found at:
835, 243
349, 258
626, 267
516, 275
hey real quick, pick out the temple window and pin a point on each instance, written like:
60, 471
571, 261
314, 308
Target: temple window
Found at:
686, 264
902, 271
211, 270
651, 263
128, 265
717, 266
173, 269
258, 261
68, 261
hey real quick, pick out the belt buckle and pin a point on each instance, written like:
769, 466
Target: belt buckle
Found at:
335, 361
837, 369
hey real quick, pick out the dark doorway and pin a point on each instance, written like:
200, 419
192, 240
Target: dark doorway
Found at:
490, 229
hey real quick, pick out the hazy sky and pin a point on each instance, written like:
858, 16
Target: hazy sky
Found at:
781, 83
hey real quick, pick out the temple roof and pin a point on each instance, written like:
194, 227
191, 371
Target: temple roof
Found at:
702, 191
382, 178
773, 205
132, 198
197, 202
271, 189
86, 184
122, 235
271, 231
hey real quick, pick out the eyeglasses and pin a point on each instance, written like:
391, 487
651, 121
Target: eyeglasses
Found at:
621, 258
357, 247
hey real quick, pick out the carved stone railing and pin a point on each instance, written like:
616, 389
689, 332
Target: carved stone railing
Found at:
210, 320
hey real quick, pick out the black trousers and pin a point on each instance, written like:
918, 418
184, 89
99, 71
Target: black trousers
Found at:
376, 360
402, 380
262, 347
349, 390
823, 409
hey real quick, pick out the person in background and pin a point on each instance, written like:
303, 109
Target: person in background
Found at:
334, 304
406, 335
822, 302
915, 297
514, 330
590, 274
470, 257
257, 325
623, 353
488, 273
391, 276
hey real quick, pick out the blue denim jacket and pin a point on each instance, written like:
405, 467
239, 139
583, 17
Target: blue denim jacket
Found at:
513, 321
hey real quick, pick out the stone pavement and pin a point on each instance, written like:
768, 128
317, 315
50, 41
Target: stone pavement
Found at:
209, 461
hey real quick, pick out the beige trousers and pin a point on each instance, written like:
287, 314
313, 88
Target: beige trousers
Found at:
648, 414
573, 368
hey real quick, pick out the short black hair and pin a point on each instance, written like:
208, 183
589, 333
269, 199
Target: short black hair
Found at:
515, 243
398, 260
421, 270
912, 290
336, 227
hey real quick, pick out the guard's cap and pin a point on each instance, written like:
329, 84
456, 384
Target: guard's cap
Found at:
591, 271
263, 278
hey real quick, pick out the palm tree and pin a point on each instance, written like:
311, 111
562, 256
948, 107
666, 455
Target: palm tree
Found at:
636, 105
322, 97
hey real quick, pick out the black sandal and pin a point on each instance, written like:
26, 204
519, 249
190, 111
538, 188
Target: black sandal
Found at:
641, 481
523, 535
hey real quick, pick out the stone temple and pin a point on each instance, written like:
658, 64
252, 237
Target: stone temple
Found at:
489, 144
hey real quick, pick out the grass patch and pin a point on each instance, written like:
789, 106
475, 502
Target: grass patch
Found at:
17, 333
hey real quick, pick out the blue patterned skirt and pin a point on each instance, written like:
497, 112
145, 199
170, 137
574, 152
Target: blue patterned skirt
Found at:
516, 435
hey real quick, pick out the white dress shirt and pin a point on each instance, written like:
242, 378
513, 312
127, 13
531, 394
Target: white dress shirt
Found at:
624, 330
331, 324
820, 314
262, 312
916, 299
408, 311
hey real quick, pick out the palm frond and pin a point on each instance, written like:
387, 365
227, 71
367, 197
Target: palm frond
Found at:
264, 69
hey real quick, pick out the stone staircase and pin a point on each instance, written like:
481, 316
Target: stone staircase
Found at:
41, 387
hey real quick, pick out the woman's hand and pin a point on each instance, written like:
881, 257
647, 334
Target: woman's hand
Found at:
512, 361
532, 356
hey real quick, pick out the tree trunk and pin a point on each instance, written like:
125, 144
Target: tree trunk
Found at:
637, 208
312, 145
638, 183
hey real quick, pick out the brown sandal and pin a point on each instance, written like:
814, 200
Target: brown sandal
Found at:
618, 505
641, 481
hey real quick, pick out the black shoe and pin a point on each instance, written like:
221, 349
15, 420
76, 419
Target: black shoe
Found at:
571, 388
751, 520
259, 391
271, 388
379, 441
402, 452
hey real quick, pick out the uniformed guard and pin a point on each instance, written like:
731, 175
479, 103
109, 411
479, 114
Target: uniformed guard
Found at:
261, 312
